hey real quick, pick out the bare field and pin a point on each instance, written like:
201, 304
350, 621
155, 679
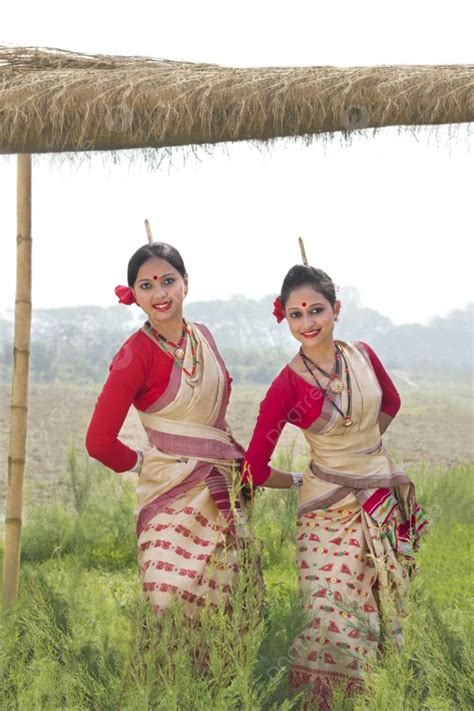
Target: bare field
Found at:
435, 425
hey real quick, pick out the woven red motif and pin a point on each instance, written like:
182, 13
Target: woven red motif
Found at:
187, 572
163, 565
183, 531
200, 518
159, 527
328, 567
159, 543
166, 587
189, 596
327, 608
185, 554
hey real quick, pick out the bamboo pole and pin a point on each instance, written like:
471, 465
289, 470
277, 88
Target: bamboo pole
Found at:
19, 394
148, 232
303, 252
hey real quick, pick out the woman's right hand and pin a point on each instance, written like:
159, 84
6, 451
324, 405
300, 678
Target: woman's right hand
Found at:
283, 480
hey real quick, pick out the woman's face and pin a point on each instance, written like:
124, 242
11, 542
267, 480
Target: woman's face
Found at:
310, 316
159, 290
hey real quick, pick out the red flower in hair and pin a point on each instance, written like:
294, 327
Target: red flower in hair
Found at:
125, 295
278, 310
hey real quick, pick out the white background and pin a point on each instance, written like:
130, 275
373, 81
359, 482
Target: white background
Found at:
390, 214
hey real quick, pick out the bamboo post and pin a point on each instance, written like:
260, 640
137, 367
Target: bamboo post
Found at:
19, 394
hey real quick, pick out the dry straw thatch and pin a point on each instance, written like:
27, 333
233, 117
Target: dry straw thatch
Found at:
52, 100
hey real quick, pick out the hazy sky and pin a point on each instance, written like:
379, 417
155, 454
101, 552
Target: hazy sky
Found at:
390, 214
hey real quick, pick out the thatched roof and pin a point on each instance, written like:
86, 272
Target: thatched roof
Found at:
53, 100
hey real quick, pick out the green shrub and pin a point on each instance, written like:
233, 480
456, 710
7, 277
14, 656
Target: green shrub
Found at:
82, 637
99, 529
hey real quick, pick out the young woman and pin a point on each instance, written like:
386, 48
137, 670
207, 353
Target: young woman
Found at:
357, 518
190, 515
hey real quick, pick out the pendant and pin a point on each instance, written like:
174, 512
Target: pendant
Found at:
336, 385
179, 353
347, 421
193, 381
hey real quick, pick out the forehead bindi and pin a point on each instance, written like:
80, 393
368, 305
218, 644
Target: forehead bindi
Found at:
307, 297
155, 269
154, 277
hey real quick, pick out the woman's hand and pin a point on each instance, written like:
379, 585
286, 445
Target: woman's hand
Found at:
283, 480
384, 421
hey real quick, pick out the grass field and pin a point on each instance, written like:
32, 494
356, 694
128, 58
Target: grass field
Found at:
81, 637
434, 426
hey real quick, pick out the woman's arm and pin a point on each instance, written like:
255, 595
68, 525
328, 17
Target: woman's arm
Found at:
271, 419
126, 377
391, 402
282, 480
384, 421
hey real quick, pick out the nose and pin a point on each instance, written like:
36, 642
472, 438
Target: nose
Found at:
159, 292
309, 322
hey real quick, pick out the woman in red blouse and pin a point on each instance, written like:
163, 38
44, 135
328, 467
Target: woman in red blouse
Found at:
357, 517
172, 373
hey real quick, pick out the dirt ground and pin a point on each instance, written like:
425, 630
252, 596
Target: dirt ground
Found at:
435, 425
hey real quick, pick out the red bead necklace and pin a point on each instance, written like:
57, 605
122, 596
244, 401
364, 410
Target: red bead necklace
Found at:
336, 383
178, 353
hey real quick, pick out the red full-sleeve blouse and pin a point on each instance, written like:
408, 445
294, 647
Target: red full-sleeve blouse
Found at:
139, 373
282, 404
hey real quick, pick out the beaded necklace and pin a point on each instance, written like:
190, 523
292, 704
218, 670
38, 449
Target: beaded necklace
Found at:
177, 354
336, 384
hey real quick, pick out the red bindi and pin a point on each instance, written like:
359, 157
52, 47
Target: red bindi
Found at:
155, 277
303, 304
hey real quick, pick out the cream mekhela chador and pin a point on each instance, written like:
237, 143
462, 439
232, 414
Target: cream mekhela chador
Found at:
187, 532
358, 520
190, 518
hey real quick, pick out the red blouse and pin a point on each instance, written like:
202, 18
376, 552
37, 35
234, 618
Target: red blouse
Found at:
287, 401
139, 374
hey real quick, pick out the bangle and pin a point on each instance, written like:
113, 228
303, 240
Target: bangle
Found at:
139, 463
297, 479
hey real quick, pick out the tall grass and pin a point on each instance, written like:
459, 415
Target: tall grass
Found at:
82, 637
98, 529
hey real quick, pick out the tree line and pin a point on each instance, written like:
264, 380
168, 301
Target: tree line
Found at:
76, 344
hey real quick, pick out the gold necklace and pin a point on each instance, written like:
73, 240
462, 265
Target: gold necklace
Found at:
347, 418
178, 353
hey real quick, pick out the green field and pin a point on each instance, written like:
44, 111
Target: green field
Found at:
81, 637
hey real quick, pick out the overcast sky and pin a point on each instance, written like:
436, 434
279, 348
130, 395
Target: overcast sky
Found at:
390, 214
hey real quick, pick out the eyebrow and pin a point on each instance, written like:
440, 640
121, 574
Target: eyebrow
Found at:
298, 308
151, 278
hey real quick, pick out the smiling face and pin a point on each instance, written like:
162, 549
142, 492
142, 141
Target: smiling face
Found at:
159, 290
310, 316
